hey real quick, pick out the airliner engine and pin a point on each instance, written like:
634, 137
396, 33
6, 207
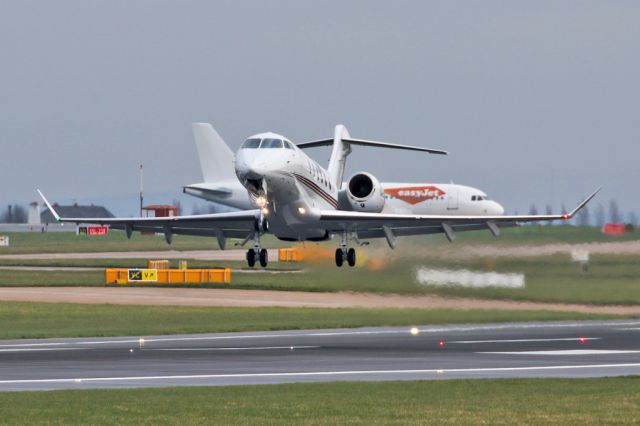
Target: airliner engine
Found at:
364, 193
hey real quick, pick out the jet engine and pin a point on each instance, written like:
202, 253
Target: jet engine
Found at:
364, 193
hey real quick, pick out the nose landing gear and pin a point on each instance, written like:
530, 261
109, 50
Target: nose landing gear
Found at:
257, 252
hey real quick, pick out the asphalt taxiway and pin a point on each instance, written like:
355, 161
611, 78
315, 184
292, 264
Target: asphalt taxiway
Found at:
558, 349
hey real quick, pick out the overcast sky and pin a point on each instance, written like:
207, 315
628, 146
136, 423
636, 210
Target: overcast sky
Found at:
537, 102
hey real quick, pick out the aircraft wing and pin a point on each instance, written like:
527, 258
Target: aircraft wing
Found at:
220, 225
389, 226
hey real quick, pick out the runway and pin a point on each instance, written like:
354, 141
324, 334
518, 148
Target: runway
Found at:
560, 349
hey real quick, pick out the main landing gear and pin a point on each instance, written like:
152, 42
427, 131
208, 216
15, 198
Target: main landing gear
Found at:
342, 253
348, 255
261, 255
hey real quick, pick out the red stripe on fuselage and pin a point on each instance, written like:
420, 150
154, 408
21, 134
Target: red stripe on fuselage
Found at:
315, 188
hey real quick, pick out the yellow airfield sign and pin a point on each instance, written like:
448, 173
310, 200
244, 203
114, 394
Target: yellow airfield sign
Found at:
142, 275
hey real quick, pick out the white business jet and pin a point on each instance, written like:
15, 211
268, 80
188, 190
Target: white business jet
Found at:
221, 186
296, 199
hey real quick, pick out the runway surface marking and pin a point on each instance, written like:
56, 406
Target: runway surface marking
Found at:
321, 373
40, 349
336, 333
563, 339
568, 352
249, 348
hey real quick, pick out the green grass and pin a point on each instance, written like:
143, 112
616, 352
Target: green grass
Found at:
38, 320
489, 401
18, 278
66, 242
138, 263
612, 279
69, 242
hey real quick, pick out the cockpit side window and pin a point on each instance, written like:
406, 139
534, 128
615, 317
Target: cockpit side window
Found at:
288, 145
251, 143
473, 198
271, 143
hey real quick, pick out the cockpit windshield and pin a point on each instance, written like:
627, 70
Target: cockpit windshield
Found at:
271, 143
251, 143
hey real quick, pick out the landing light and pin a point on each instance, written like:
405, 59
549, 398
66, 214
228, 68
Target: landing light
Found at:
302, 210
265, 211
261, 201
414, 331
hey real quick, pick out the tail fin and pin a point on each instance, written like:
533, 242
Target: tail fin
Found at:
338, 155
216, 158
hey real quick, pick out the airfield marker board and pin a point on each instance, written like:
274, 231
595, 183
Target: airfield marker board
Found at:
142, 275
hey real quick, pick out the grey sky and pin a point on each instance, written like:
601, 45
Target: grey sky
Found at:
536, 101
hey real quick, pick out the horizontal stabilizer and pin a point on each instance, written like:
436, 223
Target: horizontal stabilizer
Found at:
364, 142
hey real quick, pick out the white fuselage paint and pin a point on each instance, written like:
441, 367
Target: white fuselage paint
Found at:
292, 182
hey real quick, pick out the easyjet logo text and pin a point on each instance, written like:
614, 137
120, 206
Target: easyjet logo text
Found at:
416, 194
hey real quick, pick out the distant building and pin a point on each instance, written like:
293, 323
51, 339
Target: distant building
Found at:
75, 211
160, 210
34, 214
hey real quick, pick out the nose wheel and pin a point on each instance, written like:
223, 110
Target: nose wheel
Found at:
257, 253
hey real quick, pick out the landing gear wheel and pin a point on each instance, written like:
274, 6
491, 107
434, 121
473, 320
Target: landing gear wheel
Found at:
351, 257
339, 257
251, 258
264, 258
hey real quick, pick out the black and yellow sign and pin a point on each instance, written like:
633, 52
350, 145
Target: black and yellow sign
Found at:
142, 275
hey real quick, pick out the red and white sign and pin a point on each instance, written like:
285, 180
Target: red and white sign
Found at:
415, 194
97, 230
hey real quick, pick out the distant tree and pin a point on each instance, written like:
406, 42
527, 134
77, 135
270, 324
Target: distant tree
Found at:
548, 210
614, 211
533, 210
632, 219
8, 218
195, 210
583, 217
14, 214
599, 216
20, 214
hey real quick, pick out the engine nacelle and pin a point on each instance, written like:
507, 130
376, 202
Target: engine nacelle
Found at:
364, 193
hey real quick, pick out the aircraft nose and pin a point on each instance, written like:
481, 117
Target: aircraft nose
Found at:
497, 209
251, 167
258, 168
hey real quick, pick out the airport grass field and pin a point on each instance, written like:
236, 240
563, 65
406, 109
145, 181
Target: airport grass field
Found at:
38, 320
611, 279
489, 401
69, 242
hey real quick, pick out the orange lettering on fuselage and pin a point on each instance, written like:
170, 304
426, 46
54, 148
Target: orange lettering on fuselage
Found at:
415, 194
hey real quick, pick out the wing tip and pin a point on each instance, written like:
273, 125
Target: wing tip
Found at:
49, 206
583, 203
